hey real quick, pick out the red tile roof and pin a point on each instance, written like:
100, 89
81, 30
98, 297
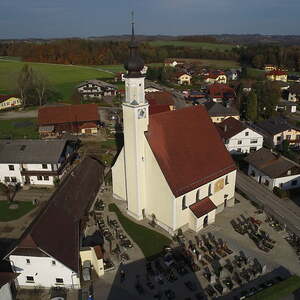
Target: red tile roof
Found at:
155, 109
214, 75
88, 125
217, 90
159, 98
98, 252
188, 148
68, 114
276, 73
230, 127
202, 207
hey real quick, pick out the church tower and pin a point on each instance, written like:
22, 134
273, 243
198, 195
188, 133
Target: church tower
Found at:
135, 122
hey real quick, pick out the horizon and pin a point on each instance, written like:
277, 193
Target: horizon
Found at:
58, 19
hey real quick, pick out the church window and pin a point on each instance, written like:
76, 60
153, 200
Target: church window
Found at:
226, 180
184, 203
198, 195
209, 190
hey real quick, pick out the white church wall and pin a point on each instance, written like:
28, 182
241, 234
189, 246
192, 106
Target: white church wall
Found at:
160, 199
118, 177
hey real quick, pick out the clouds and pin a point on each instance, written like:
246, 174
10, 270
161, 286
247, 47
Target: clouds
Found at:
60, 18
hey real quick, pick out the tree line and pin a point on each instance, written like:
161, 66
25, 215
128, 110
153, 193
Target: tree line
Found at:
86, 52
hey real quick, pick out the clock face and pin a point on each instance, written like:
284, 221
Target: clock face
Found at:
219, 185
141, 113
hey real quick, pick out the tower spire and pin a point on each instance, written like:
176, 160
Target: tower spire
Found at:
134, 63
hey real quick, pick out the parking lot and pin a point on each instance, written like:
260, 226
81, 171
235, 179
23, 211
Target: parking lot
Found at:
200, 266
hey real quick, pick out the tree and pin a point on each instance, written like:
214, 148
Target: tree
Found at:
251, 106
8, 191
258, 61
25, 83
40, 84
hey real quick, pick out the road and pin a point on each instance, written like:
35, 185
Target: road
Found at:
286, 211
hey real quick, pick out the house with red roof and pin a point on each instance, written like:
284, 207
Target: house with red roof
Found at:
9, 101
160, 101
238, 137
174, 167
219, 92
277, 75
183, 78
55, 120
215, 76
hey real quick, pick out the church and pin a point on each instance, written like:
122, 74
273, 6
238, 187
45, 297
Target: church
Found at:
173, 167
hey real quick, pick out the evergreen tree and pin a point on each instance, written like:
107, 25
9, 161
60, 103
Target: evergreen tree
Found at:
251, 107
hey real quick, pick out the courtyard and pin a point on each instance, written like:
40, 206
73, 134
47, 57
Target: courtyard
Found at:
132, 278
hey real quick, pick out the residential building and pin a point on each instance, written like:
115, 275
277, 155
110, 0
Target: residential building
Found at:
183, 78
151, 87
96, 89
238, 137
269, 68
285, 105
173, 167
56, 120
173, 62
89, 128
218, 112
160, 101
219, 92
232, 74
276, 130
48, 253
294, 93
273, 170
215, 77
35, 162
9, 101
294, 78
277, 75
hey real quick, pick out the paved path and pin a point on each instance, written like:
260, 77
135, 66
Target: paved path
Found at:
285, 210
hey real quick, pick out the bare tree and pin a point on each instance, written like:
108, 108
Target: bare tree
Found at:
40, 84
24, 83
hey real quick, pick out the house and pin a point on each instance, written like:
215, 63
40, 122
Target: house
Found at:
183, 78
55, 120
119, 77
173, 62
294, 78
89, 128
48, 253
232, 74
219, 92
35, 162
238, 137
96, 89
215, 76
269, 68
277, 75
7, 286
160, 101
276, 130
273, 170
294, 93
173, 168
9, 101
285, 105
218, 112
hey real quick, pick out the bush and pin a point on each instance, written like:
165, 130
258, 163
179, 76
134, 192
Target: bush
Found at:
280, 193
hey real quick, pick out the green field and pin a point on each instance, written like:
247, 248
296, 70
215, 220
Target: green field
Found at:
7, 214
19, 128
208, 46
62, 78
120, 68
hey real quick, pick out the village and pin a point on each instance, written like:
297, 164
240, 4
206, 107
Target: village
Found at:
178, 181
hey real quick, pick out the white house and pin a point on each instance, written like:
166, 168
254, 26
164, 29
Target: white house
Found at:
238, 137
96, 89
173, 167
8, 101
35, 162
48, 253
273, 170
294, 93
183, 78
215, 77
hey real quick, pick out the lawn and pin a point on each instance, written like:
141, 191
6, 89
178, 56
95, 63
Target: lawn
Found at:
150, 242
19, 128
62, 78
280, 290
208, 46
7, 214
256, 73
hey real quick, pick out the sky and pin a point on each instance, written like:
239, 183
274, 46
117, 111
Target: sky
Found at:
84, 18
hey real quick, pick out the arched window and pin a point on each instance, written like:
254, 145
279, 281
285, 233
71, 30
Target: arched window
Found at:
226, 180
183, 204
209, 190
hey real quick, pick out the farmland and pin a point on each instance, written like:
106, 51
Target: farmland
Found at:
63, 78
208, 46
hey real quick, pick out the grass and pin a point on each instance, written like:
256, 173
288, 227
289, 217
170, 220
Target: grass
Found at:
19, 128
208, 46
7, 214
256, 73
280, 290
150, 242
63, 78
